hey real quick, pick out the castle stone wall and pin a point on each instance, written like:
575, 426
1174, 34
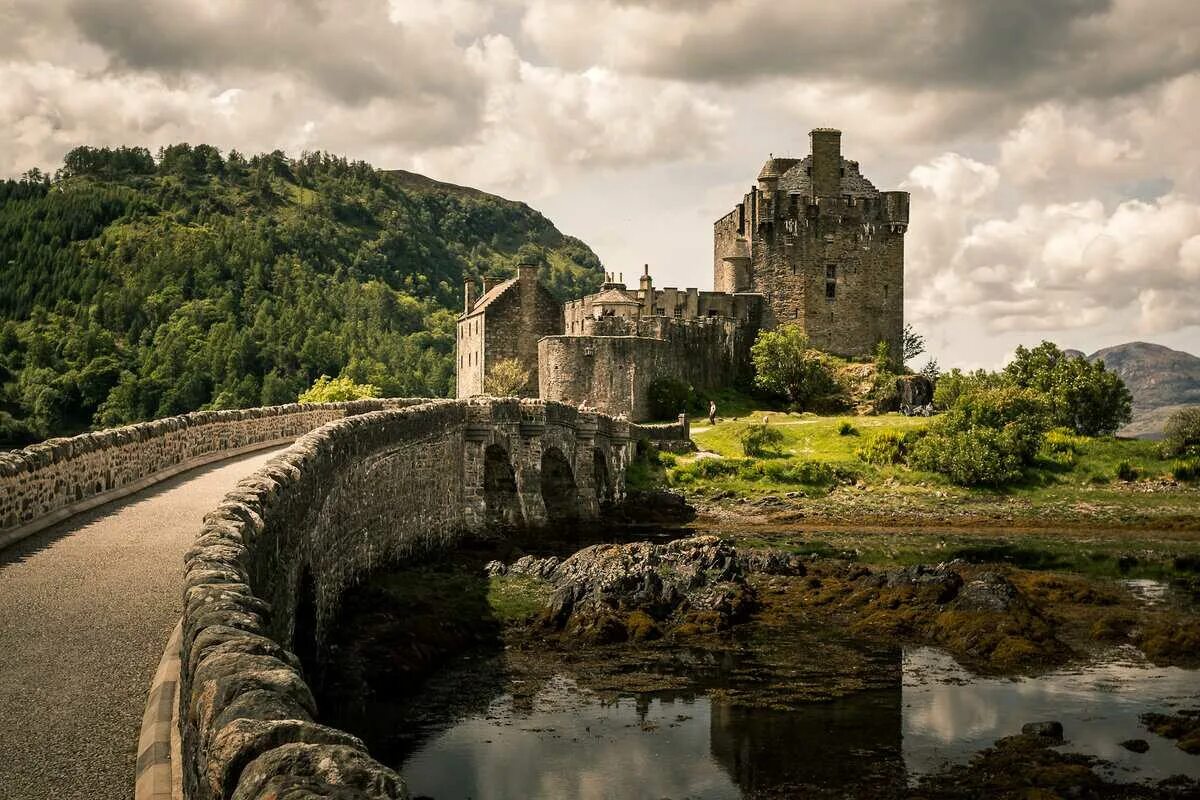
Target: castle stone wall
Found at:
47, 482
613, 373
264, 578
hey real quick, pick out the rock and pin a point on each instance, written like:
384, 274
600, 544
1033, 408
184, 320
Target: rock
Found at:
495, 569
660, 506
914, 390
989, 591
1051, 731
603, 583
531, 567
941, 581
771, 562
1136, 745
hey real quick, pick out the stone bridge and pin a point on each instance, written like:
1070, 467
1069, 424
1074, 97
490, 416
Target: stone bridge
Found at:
366, 484
265, 577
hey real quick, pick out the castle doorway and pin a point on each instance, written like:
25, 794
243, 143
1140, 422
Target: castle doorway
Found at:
500, 489
558, 487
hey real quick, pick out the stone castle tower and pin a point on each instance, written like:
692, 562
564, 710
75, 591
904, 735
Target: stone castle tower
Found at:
823, 246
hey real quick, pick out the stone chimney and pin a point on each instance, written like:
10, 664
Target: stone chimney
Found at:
826, 161
468, 294
527, 274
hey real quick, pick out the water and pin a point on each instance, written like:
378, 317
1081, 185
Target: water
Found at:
563, 741
950, 713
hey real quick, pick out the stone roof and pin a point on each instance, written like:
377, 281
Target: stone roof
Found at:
491, 296
615, 297
796, 180
776, 167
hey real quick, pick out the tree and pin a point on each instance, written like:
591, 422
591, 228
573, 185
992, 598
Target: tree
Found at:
506, 378
786, 365
1181, 436
914, 343
337, 390
668, 397
1082, 395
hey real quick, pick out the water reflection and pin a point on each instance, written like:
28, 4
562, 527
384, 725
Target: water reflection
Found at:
950, 713
564, 741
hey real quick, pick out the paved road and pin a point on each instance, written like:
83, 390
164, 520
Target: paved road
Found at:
85, 611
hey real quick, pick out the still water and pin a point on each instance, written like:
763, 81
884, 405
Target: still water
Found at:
567, 742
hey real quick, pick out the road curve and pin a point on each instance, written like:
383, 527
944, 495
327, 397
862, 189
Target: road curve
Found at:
85, 611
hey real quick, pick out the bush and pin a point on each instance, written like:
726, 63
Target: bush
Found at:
1181, 436
955, 383
760, 440
337, 390
814, 473
1127, 472
668, 397
785, 365
882, 447
1186, 470
506, 378
846, 429
987, 438
981, 456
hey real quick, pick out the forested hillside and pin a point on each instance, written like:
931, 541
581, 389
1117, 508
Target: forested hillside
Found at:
134, 287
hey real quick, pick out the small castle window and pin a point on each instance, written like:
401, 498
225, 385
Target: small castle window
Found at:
831, 282
842, 172
885, 291
678, 311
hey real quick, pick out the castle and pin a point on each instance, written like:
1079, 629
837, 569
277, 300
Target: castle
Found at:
814, 243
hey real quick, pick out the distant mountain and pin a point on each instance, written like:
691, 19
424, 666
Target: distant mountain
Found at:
1160, 379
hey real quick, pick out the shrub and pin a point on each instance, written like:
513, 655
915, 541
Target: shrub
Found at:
1186, 470
759, 440
1127, 472
337, 390
786, 365
668, 397
506, 378
987, 438
1181, 435
816, 473
955, 383
976, 457
847, 429
882, 447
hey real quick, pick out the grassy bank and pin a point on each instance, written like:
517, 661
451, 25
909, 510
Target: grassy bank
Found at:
817, 473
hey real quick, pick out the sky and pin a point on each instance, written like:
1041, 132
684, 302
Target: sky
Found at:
1050, 146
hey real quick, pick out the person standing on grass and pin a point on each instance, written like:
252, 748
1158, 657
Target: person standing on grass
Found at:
712, 412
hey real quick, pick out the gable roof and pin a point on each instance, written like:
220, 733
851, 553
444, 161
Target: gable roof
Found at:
491, 296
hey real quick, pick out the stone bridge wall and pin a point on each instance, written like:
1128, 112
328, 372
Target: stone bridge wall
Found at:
50, 481
266, 574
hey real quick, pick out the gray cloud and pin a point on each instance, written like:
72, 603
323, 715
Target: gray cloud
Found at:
1026, 48
352, 52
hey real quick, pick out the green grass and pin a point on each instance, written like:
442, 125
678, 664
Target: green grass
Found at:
1162, 556
514, 597
1075, 477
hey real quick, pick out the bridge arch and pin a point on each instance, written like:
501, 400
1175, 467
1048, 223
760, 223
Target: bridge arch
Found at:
559, 491
501, 501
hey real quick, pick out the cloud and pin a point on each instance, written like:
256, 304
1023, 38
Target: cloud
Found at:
542, 124
1027, 47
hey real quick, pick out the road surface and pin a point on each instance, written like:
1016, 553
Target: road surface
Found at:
85, 611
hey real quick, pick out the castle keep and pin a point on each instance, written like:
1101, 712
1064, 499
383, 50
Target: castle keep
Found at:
814, 243
823, 246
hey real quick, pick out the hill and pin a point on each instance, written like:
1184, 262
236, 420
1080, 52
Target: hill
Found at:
1160, 379
134, 287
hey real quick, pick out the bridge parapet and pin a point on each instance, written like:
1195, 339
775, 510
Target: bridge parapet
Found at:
266, 574
48, 482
